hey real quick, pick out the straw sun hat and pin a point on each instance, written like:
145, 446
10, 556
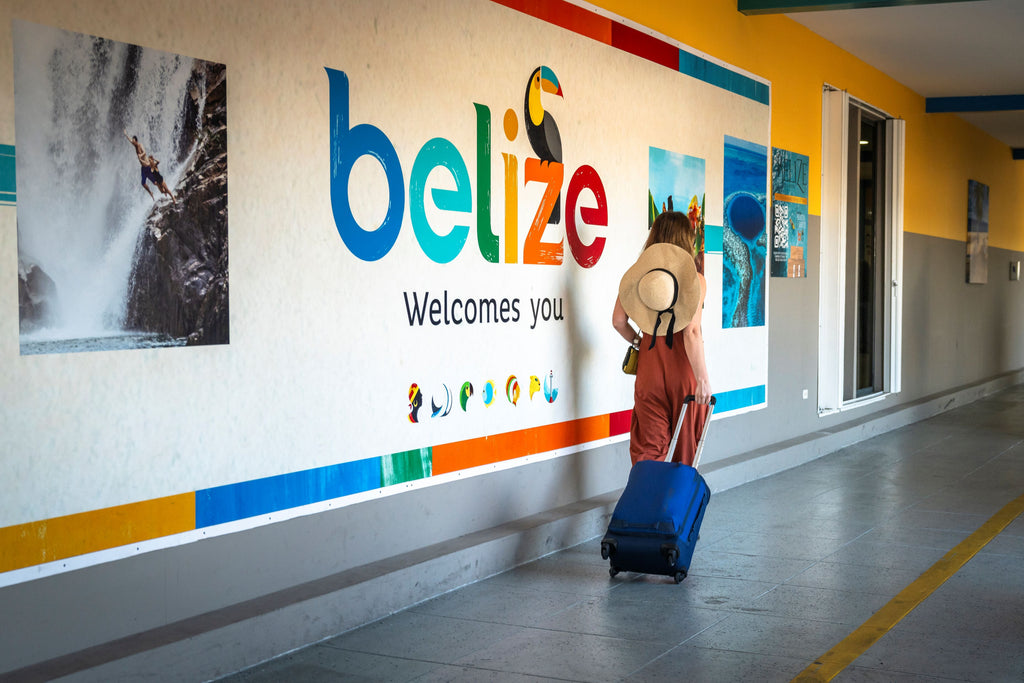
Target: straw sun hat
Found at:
660, 292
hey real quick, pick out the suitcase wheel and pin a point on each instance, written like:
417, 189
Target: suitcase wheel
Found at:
680, 575
607, 549
613, 572
671, 554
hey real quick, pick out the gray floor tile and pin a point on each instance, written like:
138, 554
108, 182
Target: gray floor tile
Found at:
689, 663
963, 658
499, 603
819, 604
858, 674
885, 581
633, 619
735, 566
697, 591
411, 635
326, 664
891, 555
796, 547
464, 674
769, 635
551, 575
568, 656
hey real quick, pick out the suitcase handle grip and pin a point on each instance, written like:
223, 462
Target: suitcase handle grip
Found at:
700, 444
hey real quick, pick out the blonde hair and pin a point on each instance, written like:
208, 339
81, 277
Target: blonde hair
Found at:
672, 227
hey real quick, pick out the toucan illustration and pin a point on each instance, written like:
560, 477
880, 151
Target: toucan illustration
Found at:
540, 125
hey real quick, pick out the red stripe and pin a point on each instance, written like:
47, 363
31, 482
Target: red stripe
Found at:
567, 16
642, 45
618, 423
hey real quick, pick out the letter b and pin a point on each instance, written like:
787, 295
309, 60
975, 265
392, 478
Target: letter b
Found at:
347, 145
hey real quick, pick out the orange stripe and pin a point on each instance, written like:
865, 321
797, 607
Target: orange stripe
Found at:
486, 450
26, 545
790, 198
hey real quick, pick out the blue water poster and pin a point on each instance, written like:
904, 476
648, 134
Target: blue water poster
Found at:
789, 213
744, 237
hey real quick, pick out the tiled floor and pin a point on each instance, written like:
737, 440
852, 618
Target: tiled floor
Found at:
786, 568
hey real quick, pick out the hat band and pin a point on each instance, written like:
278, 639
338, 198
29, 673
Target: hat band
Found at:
671, 310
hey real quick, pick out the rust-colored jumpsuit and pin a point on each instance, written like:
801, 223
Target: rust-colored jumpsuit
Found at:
663, 379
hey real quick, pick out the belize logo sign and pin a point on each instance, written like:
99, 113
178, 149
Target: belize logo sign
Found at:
349, 143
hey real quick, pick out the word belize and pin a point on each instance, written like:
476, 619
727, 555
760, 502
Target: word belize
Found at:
457, 311
542, 245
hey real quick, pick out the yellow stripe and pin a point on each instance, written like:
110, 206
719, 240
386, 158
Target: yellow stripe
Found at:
790, 198
26, 545
828, 666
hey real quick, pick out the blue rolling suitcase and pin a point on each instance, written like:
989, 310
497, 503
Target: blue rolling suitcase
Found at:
657, 520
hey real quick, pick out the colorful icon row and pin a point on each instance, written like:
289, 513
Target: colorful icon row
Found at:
441, 404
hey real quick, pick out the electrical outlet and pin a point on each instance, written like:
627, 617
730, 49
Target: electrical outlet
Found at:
805, 394
1014, 270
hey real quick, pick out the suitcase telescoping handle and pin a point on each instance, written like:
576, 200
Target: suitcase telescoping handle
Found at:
700, 443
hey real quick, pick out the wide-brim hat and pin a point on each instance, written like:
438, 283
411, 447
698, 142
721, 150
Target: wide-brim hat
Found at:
660, 292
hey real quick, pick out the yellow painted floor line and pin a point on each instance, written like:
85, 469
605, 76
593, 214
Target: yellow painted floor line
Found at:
828, 666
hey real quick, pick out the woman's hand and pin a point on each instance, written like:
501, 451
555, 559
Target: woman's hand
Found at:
702, 394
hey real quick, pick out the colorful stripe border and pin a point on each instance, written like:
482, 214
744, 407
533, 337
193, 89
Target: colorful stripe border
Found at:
622, 37
34, 543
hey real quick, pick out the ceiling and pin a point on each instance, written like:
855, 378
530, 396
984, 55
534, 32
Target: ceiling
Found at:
972, 49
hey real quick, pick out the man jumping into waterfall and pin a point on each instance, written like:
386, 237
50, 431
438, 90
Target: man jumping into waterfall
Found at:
149, 168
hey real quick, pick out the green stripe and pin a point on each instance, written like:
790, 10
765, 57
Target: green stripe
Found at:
399, 468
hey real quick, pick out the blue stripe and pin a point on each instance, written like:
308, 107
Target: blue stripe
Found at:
739, 398
262, 496
718, 75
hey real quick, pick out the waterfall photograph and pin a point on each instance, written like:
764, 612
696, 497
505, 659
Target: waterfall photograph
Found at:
121, 166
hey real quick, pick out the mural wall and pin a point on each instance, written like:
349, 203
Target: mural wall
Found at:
439, 250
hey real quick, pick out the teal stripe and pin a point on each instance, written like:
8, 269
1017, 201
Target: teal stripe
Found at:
712, 239
727, 79
739, 398
8, 184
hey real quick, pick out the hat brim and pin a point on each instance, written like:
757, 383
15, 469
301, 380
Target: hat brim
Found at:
675, 260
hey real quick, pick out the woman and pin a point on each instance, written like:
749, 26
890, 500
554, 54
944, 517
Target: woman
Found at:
664, 294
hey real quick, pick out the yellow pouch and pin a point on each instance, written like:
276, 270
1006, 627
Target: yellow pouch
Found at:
629, 362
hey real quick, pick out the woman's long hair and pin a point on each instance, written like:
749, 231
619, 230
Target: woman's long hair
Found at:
672, 227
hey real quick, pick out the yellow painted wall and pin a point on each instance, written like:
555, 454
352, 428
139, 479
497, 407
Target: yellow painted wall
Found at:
943, 151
